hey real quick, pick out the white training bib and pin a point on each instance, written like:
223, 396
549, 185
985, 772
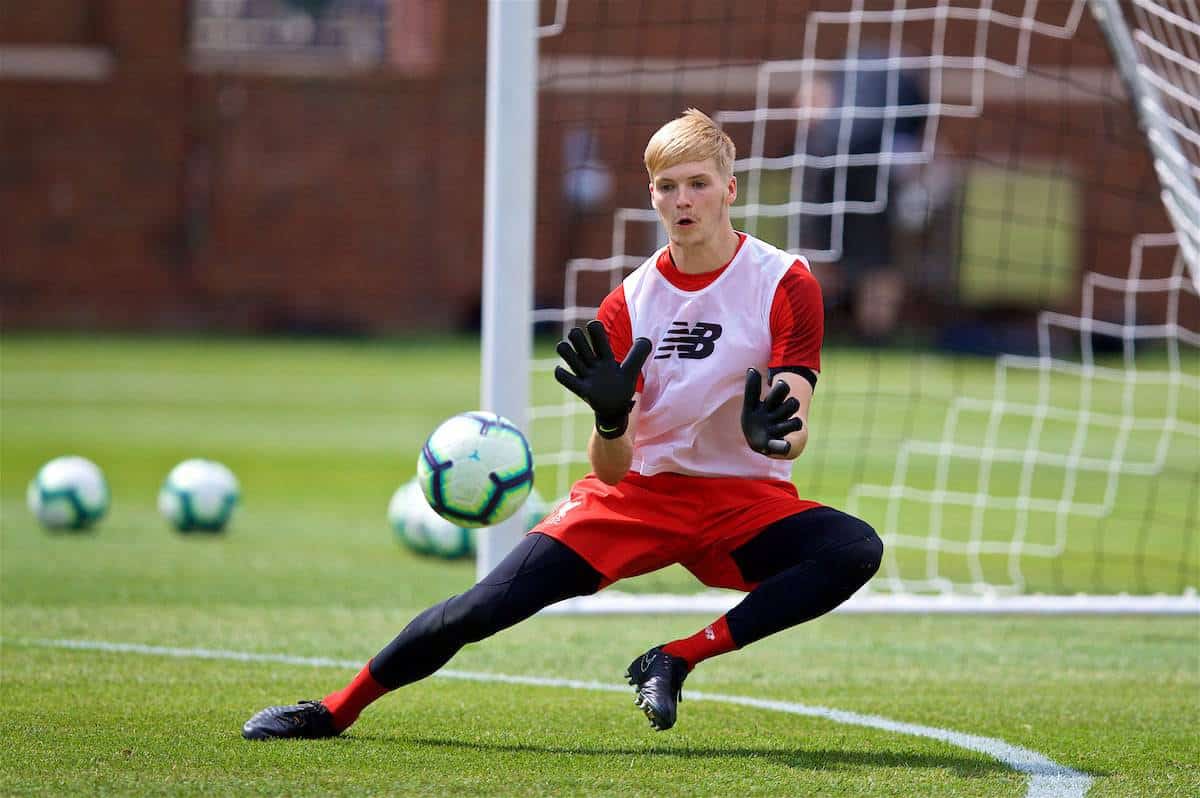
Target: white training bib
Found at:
690, 407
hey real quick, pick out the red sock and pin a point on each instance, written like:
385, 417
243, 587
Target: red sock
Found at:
347, 703
710, 641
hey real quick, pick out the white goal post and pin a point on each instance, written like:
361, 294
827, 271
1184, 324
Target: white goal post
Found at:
1160, 63
508, 249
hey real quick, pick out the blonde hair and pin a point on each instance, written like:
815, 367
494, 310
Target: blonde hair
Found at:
693, 136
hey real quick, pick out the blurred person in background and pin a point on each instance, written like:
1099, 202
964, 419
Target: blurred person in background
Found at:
843, 114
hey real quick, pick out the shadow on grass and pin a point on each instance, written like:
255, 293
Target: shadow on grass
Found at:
800, 759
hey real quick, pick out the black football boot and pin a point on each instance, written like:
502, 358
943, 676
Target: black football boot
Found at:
307, 719
658, 679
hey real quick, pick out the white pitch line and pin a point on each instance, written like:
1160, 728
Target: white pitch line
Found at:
1047, 778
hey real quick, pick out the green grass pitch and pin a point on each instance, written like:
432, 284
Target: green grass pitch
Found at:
321, 433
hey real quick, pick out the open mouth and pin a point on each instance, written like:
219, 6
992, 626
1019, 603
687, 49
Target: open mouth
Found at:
685, 222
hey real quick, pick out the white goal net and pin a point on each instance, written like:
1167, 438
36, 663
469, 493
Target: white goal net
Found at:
1001, 199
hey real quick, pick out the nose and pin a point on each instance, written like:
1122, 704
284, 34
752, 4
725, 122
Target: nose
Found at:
683, 198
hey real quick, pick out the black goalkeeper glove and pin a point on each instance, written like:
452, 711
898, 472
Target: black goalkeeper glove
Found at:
765, 423
597, 378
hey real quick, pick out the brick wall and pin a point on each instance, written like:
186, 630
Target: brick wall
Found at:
163, 197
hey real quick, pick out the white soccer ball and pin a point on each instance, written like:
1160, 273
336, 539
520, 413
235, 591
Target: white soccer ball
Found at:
199, 495
476, 469
404, 517
420, 529
428, 533
68, 493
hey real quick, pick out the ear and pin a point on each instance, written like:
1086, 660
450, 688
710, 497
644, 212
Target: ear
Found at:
731, 190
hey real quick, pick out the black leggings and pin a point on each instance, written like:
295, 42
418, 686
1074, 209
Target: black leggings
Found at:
538, 572
805, 564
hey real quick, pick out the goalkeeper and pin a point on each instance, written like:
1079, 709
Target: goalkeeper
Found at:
691, 459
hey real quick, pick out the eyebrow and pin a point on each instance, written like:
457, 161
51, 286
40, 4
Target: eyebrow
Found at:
689, 177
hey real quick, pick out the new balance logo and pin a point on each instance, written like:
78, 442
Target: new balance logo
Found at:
689, 341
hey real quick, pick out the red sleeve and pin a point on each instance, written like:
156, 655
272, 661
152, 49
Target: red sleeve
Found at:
797, 321
614, 315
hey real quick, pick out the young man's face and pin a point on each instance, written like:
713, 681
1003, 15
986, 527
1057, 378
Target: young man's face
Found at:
692, 200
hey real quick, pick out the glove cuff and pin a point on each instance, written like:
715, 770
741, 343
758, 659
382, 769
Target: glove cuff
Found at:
612, 427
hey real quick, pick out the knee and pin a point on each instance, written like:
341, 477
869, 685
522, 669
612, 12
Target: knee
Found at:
864, 551
872, 552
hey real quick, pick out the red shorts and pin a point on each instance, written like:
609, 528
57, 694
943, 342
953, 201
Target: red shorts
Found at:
646, 523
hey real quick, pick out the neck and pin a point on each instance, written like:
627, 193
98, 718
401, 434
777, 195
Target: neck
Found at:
705, 256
